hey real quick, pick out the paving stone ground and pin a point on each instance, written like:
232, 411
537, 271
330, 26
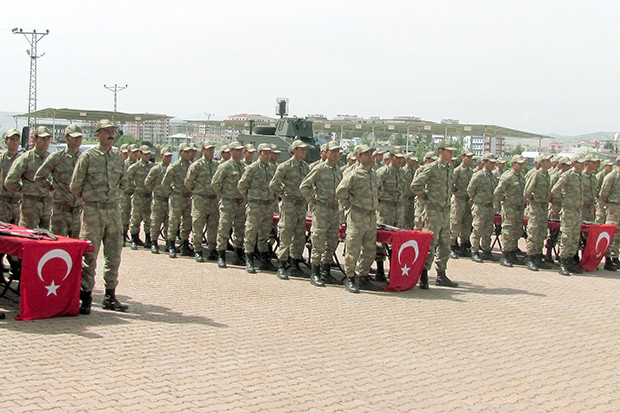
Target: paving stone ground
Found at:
198, 338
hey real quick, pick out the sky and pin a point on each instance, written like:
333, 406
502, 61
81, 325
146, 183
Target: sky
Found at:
540, 66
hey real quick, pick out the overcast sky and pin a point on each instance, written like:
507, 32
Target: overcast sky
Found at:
539, 66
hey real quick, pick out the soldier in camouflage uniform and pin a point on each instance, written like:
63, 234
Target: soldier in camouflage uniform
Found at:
322, 157
179, 206
232, 205
590, 188
248, 155
600, 209
125, 151
224, 154
159, 204
140, 200
98, 179
563, 165
378, 157
570, 188
460, 212
412, 165
610, 199
420, 204
205, 205
67, 208
254, 186
537, 193
293, 207
128, 192
36, 201
433, 184
358, 193
9, 201
319, 190
509, 193
350, 161
480, 191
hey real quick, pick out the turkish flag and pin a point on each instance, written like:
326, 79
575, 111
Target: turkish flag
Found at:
600, 237
409, 250
51, 278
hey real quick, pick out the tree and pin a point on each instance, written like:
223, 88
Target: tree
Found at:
126, 138
518, 150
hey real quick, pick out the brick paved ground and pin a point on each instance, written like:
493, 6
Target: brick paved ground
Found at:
202, 339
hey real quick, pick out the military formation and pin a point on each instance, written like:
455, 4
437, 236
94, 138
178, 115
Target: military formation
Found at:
204, 207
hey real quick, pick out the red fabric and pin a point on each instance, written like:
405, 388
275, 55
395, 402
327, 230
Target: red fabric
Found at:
51, 274
409, 251
600, 237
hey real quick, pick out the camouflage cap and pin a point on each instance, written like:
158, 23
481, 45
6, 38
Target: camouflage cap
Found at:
133, 148
501, 160
235, 145
104, 123
489, 157
411, 156
562, 160
298, 143
397, 151
74, 131
590, 157
578, 158
363, 148
124, 147
323, 147
274, 148
467, 152
250, 148
42, 132
351, 156
332, 145
386, 156
145, 149
607, 162
447, 145
224, 148
430, 155
166, 151
11, 132
264, 147
518, 159
193, 146
618, 159
207, 145
377, 152
183, 147
544, 157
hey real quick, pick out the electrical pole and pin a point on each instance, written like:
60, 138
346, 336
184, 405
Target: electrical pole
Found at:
116, 88
208, 119
32, 93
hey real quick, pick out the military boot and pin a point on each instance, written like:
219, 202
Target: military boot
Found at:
86, 300
134, 242
530, 263
138, 240
315, 277
487, 255
212, 255
549, 255
506, 260
367, 283
574, 268
444, 281
221, 259
264, 262
564, 267
380, 274
326, 274
465, 250
541, 264
295, 271
454, 251
154, 247
476, 257
147, 240
238, 258
172, 251
423, 281
198, 256
249, 263
616, 262
282, 266
111, 303
186, 251
609, 265
126, 238
352, 285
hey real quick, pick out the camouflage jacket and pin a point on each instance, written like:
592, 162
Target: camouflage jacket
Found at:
60, 166
136, 175
481, 187
199, 176
6, 160
433, 184
99, 176
509, 190
154, 179
174, 179
287, 179
226, 179
319, 186
409, 175
570, 188
610, 190
537, 188
391, 184
21, 175
590, 189
254, 183
462, 177
359, 188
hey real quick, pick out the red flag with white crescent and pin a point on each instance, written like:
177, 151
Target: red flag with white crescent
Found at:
600, 237
409, 250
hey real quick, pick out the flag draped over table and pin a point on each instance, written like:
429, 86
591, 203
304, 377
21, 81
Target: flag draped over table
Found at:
409, 250
599, 240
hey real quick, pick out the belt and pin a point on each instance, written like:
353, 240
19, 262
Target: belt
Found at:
207, 196
485, 204
160, 198
102, 205
260, 201
295, 201
11, 199
237, 200
67, 208
35, 197
364, 211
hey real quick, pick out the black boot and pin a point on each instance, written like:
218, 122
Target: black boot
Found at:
147, 240
86, 300
126, 238
172, 251
155, 248
134, 242
549, 255
137, 240
475, 257
487, 255
541, 264
424, 280
111, 303
211, 255
530, 262
352, 285
282, 270
315, 277
295, 271
454, 251
380, 275
264, 262
443, 280
221, 259
186, 251
465, 250
574, 268
506, 260
564, 267
326, 274
198, 256
249, 263
616, 262
367, 283
238, 257
609, 265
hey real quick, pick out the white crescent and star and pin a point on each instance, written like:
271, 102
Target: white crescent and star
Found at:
56, 253
601, 236
413, 244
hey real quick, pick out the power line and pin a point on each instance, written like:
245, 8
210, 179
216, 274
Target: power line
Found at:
116, 88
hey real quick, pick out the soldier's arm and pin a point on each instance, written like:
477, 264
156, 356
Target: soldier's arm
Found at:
244, 181
123, 183
556, 190
41, 177
79, 174
131, 172
149, 181
530, 184
218, 177
276, 184
605, 188
307, 186
498, 194
166, 183
190, 178
473, 186
419, 182
13, 178
342, 191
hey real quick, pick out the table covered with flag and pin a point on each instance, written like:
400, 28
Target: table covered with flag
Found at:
51, 273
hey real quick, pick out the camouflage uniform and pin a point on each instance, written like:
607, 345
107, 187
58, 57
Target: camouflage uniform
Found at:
537, 191
610, 196
141, 198
67, 207
9, 201
570, 188
126, 199
179, 207
590, 193
509, 193
409, 198
204, 202
232, 204
480, 190
600, 208
460, 212
391, 195
419, 206
98, 179
159, 203
36, 201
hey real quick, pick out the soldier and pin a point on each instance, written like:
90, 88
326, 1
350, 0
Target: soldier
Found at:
590, 188
412, 165
205, 208
351, 163
67, 208
433, 184
480, 191
534, 169
128, 192
254, 186
98, 179
319, 190
248, 155
570, 188
159, 204
460, 212
9, 201
600, 209
358, 193
125, 151
224, 153
140, 200
36, 201
293, 207
179, 207
420, 204
610, 200
378, 157
275, 152
322, 157
232, 205
194, 149
500, 168
537, 193
563, 164
509, 193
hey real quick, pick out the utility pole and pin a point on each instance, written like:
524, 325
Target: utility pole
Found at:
32, 93
116, 88
208, 119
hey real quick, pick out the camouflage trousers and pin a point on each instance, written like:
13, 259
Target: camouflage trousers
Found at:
205, 213
66, 220
437, 222
159, 217
537, 227
601, 215
554, 209
389, 213
587, 213
512, 227
324, 232
613, 218
232, 216
360, 242
409, 212
126, 209
35, 212
480, 237
570, 227
101, 226
258, 224
292, 227
180, 216
460, 220
140, 212
9, 210
420, 207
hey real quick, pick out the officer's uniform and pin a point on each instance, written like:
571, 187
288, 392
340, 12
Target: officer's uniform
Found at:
600, 208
